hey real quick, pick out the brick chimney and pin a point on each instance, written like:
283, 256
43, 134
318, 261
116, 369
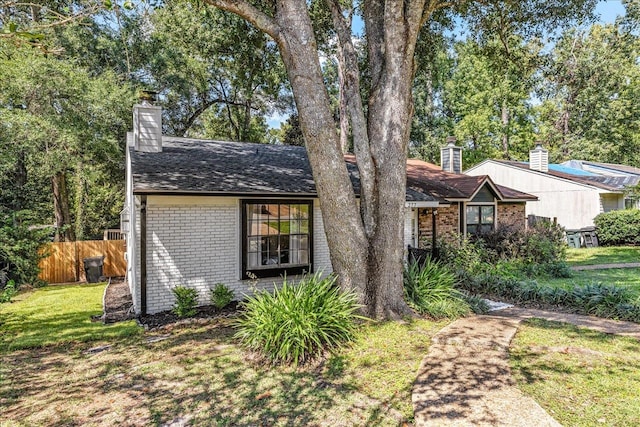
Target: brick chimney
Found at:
451, 156
147, 126
539, 158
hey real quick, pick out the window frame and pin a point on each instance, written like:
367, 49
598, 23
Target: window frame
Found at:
279, 270
479, 206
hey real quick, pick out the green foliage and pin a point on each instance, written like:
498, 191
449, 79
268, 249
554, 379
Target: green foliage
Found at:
298, 322
618, 227
20, 248
462, 255
186, 301
220, 76
476, 303
9, 291
69, 128
221, 296
593, 299
430, 289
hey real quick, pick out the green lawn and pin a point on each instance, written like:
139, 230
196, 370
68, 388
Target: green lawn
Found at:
581, 377
196, 375
603, 255
56, 315
622, 277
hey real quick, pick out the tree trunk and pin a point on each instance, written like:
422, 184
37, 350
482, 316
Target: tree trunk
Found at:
64, 229
344, 115
365, 242
505, 129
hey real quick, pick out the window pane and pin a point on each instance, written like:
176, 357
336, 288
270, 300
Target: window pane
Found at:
303, 257
304, 226
472, 229
487, 214
473, 215
294, 226
270, 250
300, 211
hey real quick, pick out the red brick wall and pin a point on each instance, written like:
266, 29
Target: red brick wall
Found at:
447, 222
512, 214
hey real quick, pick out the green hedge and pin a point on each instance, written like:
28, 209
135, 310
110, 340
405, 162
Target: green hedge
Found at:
618, 227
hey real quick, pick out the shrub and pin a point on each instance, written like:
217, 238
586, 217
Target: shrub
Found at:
221, 296
541, 243
618, 227
20, 249
298, 322
461, 254
8, 292
186, 301
430, 289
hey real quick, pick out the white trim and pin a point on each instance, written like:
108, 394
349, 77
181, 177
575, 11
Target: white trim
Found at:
424, 204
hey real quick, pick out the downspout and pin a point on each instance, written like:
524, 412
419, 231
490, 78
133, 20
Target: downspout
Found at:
434, 249
143, 255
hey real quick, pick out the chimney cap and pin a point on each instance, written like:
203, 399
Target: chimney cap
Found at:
451, 141
539, 146
148, 96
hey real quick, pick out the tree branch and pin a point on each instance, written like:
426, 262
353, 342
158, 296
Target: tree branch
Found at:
244, 9
348, 57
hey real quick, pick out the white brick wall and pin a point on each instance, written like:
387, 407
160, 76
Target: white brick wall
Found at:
195, 242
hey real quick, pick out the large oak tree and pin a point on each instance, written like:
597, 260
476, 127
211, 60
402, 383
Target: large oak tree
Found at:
365, 237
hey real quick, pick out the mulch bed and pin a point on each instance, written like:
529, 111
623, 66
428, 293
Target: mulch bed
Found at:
203, 313
119, 307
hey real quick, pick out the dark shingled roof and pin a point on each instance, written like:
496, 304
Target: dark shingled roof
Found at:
191, 166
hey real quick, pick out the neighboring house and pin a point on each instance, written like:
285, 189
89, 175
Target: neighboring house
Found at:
573, 193
204, 212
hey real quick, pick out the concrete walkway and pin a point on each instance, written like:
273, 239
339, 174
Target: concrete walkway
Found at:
465, 379
606, 266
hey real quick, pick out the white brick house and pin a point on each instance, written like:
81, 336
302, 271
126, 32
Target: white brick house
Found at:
202, 212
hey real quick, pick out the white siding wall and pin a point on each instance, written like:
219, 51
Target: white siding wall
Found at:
574, 205
409, 220
195, 242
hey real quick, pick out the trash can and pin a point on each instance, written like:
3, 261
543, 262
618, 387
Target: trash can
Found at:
573, 238
589, 237
93, 268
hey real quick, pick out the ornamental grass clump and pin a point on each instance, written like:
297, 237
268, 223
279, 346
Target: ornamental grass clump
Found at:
298, 322
430, 289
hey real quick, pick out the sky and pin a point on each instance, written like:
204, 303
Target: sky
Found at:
607, 10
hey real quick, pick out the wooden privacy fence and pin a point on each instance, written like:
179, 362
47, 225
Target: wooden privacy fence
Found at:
64, 262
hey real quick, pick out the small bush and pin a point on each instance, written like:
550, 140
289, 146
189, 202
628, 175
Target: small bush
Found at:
8, 292
461, 254
298, 322
618, 227
20, 248
430, 289
186, 301
221, 296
